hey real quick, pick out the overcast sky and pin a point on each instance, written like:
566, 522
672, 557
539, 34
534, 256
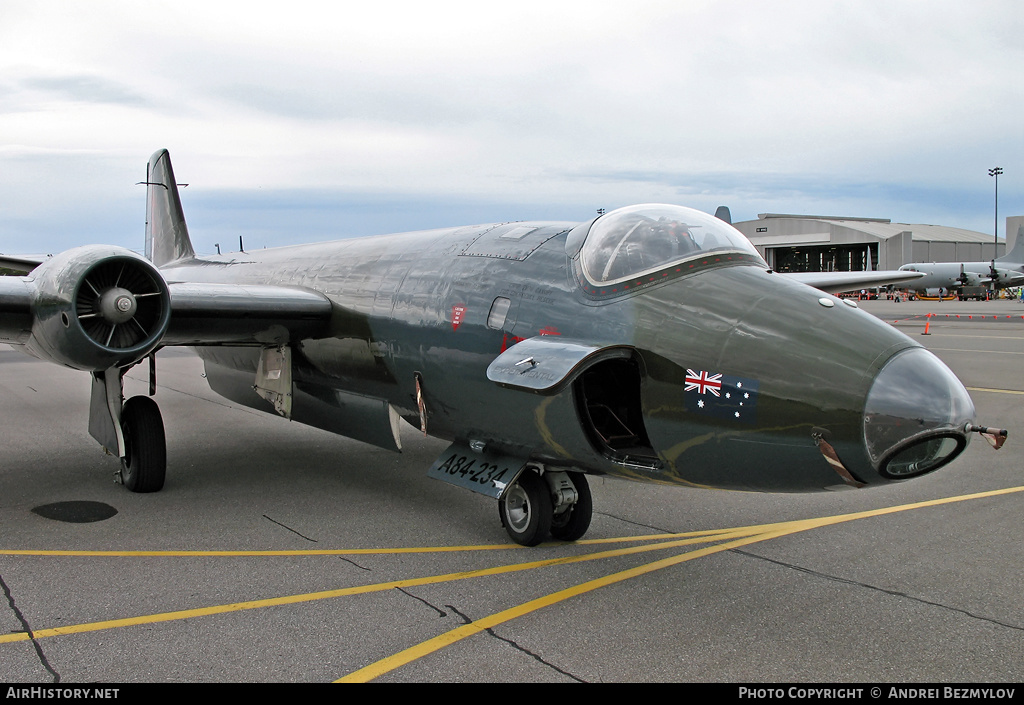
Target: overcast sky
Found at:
302, 121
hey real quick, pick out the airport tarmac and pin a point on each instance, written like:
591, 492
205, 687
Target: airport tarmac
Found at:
281, 553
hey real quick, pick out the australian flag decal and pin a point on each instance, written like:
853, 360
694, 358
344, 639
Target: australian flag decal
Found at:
721, 396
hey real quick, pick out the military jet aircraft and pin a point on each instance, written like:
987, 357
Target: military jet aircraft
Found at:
1000, 273
650, 343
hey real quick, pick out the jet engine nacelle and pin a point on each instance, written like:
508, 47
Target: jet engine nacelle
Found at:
97, 307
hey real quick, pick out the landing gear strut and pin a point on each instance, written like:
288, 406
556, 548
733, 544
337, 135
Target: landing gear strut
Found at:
132, 431
573, 521
559, 504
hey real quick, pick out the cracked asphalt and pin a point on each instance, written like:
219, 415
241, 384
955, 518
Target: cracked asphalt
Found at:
177, 586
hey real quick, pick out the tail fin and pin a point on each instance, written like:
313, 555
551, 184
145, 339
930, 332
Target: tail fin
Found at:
723, 214
166, 233
1016, 255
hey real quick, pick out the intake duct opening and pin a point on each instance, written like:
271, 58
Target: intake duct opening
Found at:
96, 307
120, 303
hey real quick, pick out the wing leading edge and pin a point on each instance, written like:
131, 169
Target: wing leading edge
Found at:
215, 314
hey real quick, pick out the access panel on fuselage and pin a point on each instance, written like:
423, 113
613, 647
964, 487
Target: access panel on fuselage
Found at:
515, 241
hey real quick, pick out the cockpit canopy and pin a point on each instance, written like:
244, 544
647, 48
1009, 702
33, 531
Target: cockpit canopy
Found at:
638, 240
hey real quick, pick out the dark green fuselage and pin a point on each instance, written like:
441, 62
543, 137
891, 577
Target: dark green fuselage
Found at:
417, 306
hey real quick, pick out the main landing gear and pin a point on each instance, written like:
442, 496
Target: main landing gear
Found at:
133, 430
144, 464
558, 504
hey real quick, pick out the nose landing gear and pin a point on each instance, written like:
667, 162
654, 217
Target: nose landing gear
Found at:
572, 522
558, 504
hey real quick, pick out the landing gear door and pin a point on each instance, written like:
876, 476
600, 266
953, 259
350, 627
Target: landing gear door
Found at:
274, 378
105, 410
479, 471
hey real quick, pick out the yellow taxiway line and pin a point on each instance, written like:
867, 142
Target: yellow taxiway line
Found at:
770, 531
727, 539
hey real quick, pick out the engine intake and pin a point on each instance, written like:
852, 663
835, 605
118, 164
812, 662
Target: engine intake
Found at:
97, 307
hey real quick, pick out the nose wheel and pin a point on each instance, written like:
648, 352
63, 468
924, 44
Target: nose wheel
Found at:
525, 510
534, 507
573, 521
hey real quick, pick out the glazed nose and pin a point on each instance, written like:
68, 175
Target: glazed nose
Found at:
916, 415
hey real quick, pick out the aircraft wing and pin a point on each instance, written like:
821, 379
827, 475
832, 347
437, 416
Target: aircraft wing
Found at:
23, 264
214, 314
1006, 278
838, 282
97, 307
15, 310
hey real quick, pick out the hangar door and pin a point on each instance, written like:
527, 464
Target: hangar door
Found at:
823, 258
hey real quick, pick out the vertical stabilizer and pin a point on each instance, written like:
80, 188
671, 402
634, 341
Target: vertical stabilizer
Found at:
1016, 255
166, 233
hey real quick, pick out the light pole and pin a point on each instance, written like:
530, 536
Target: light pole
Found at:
996, 171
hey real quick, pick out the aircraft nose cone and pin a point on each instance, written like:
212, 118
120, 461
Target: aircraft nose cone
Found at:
915, 416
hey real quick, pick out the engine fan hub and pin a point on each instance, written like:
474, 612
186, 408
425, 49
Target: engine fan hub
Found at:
117, 305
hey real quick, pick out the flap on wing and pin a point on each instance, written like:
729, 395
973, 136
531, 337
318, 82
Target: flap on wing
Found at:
213, 314
838, 282
547, 362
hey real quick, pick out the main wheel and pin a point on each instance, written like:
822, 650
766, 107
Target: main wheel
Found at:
571, 524
144, 464
525, 510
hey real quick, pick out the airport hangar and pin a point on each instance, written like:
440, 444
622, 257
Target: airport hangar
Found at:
810, 243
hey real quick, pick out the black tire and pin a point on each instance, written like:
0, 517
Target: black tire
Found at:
145, 463
525, 510
573, 523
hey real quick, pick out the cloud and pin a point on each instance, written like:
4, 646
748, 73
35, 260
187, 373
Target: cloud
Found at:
764, 106
83, 89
